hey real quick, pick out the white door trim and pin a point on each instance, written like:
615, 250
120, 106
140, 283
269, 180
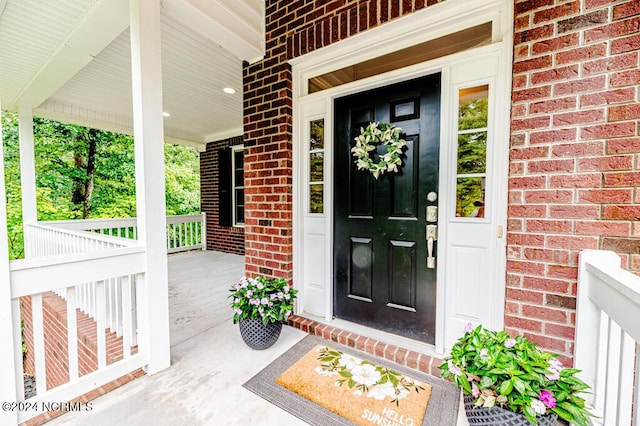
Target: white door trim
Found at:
435, 21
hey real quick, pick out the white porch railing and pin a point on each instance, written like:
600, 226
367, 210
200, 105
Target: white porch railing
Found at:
95, 273
44, 240
607, 347
184, 232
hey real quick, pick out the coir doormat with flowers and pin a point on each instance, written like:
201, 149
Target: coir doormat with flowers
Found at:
325, 383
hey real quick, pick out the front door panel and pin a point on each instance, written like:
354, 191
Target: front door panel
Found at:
380, 250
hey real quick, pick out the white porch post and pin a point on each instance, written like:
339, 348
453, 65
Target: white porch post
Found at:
7, 360
27, 174
146, 79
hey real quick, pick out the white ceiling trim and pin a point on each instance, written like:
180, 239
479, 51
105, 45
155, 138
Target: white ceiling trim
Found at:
238, 131
58, 111
233, 24
99, 28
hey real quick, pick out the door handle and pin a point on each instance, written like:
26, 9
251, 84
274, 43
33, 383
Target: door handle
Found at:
432, 235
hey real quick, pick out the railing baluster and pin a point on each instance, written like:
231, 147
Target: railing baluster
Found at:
72, 334
38, 342
625, 378
127, 328
17, 348
612, 365
100, 325
636, 404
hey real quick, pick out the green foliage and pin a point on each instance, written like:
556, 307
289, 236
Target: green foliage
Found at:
182, 177
514, 374
261, 298
472, 155
69, 186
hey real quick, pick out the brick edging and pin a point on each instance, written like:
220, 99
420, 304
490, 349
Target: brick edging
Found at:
406, 357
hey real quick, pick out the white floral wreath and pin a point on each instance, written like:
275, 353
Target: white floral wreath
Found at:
375, 134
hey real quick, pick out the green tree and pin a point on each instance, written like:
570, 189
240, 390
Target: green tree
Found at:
82, 173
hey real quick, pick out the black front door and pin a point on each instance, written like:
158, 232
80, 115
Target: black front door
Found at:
381, 275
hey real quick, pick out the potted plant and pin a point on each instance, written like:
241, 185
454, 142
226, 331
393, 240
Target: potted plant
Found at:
260, 306
504, 376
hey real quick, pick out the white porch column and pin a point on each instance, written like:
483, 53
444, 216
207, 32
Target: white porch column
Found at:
7, 360
27, 174
146, 79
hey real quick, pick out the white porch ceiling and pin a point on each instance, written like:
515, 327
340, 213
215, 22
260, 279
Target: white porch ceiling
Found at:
69, 60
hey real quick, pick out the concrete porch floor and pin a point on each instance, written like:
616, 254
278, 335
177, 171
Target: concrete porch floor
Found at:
209, 360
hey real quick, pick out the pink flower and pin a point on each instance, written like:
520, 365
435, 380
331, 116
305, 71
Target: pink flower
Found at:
484, 352
510, 343
475, 391
552, 374
547, 398
454, 369
538, 407
555, 364
468, 327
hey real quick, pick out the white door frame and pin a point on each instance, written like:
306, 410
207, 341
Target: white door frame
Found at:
313, 233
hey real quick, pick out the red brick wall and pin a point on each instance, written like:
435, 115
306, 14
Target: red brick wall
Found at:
574, 168
55, 341
293, 28
219, 238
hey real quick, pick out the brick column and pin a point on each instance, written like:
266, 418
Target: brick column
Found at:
574, 168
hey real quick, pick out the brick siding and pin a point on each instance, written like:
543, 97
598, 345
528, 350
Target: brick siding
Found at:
54, 311
219, 238
574, 163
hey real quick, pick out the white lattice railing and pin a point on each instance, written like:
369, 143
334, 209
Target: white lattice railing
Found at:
607, 347
103, 273
184, 232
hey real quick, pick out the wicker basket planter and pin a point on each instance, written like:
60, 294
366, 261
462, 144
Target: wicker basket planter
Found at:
258, 336
498, 416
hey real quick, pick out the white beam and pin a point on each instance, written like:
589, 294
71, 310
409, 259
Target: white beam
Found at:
27, 174
7, 359
106, 21
233, 24
146, 79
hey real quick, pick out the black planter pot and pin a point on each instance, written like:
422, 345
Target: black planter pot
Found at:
498, 416
258, 336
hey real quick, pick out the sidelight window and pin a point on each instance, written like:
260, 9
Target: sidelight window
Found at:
473, 103
316, 166
237, 161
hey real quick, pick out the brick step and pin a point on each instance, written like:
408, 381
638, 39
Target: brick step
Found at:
56, 345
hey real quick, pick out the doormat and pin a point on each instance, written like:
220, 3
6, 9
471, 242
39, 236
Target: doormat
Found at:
358, 390
325, 383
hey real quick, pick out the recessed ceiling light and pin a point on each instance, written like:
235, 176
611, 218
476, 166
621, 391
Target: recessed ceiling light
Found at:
166, 114
229, 90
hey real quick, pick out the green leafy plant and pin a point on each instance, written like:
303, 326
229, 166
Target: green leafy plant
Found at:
268, 299
514, 374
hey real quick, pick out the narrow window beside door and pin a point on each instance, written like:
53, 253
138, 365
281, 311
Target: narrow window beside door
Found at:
237, 178
316, 166
472, 151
